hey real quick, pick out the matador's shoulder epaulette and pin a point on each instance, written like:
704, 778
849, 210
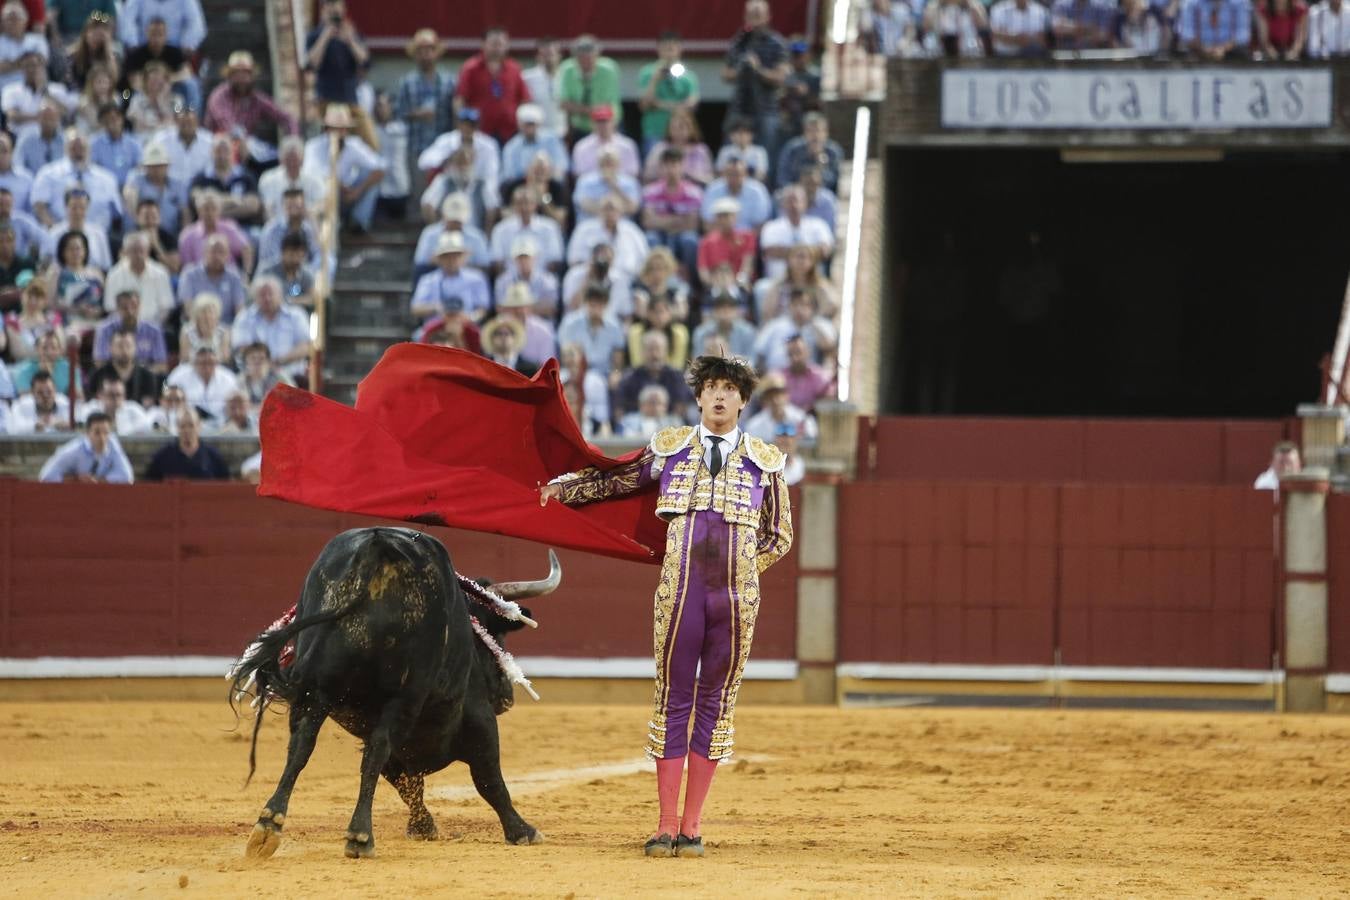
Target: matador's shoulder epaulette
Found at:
765, 455
669, 441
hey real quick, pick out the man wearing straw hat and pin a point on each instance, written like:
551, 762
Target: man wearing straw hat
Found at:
237, 103
538, 342
425, 95
359, 168
503, 337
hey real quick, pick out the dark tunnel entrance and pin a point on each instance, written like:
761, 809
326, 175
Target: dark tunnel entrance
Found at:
1021, 284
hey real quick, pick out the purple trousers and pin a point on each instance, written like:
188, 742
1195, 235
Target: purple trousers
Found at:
703, 623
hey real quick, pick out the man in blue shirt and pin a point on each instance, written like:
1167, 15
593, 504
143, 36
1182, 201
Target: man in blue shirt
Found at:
94, 457
814, 147
112, 148
1216, 29
528, 143
425, 95
756, 205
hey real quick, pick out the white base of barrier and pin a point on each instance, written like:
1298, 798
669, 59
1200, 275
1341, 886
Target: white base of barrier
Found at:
216, 667
937, 672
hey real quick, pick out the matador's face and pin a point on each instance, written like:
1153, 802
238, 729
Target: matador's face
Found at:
721, 403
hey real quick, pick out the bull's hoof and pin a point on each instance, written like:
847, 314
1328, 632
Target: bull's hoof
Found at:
360, 845
530, 836
266, 836
424, 830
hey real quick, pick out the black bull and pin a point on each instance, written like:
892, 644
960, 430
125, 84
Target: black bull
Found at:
384, 647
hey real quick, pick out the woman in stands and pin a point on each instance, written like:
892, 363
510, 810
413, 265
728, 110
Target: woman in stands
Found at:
1281, 28
659, 318
100, 90
92, 49
75, 285
151, 108
659, 276
803, 271
203, 327
34, 319
682, 132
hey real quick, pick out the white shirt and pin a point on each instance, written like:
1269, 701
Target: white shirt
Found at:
51, 182
356, 161
487, 157
1328, 31
153, 285
620, 291
100, 257
1267, 481
781, 232
23, 417
22, 99
1005, 17
11, 51
185, 162
546, 233
544, 94
209, 397
729, 440
274, 184
629, 243
131, 417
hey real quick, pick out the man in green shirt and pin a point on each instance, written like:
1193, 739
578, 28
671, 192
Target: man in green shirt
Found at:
666, 85
586, 81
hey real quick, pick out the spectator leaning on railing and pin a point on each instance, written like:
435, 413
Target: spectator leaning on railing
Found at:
1019, 28
1329, 29
95, 456
188, 457
1215, 29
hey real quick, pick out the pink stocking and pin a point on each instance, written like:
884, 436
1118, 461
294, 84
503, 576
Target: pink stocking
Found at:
701, 770
669, 774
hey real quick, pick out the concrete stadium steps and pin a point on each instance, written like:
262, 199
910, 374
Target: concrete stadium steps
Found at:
368, 311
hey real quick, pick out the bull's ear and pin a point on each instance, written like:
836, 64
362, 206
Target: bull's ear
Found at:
523, 590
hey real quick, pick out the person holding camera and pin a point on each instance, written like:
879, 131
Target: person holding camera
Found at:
665, 85
336, 55
756, 67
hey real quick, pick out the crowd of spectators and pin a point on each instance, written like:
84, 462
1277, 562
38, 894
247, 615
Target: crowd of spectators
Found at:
1208, 30
169, 232
151, 233
555, 226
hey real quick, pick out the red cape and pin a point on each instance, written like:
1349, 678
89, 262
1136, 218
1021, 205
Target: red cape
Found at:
445, 437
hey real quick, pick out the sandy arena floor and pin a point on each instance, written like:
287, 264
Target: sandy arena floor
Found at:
144, 799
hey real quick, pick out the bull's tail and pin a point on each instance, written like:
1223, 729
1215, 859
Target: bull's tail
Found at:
259, 671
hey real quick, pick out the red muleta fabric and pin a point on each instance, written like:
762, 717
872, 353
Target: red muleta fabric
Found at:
441, 436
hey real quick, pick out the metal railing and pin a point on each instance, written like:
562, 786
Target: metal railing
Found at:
1336, 366
329, 224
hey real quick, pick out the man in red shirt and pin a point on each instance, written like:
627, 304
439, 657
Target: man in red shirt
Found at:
491, 83
725, 243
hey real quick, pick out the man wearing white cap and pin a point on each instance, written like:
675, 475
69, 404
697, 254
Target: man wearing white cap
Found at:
726, 243
540, 343
153, 182
456, 215
451, 281
359, 168
528, 142
523, 220
237, 103
522, 268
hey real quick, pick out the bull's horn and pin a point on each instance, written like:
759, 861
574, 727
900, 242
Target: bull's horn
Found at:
522, 590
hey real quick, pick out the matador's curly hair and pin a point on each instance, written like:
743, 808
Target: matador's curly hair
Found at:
704, 369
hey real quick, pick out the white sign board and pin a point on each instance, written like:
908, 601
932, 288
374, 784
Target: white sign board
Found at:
1170, 99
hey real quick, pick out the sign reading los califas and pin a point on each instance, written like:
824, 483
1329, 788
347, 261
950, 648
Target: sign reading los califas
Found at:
1136, 98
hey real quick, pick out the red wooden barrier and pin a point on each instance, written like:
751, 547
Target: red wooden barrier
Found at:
1117, 575
1065, 450
188, 569
1338, 582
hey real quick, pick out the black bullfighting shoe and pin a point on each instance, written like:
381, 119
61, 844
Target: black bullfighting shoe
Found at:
689, 846
661, 845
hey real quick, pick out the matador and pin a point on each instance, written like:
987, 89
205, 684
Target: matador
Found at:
725, 501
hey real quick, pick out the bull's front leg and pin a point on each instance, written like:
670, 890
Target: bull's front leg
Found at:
484, 758
375, 756
266, 837
421, 826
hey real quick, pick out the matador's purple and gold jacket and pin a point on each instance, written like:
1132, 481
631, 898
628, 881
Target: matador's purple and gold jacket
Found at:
748, 491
